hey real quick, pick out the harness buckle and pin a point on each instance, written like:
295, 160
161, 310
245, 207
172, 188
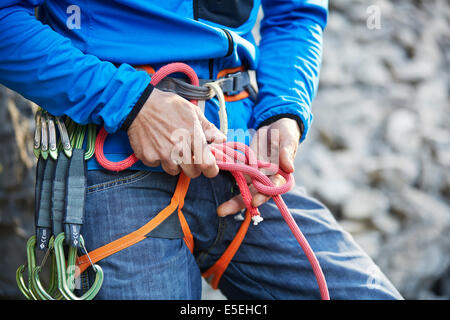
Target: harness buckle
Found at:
233, 83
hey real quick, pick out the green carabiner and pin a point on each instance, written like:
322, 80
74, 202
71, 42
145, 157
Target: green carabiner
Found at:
66, 274
77, 134
90, 143
37, 133
52, 143
64, 142
52, 292
27, 290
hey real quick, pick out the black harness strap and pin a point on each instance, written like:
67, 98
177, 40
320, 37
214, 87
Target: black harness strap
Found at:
43, 215
59, 193
231, 84
75, 197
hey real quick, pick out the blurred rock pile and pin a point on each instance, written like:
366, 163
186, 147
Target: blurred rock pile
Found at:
379, 151
16, 186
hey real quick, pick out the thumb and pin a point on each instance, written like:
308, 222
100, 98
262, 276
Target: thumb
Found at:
287, 159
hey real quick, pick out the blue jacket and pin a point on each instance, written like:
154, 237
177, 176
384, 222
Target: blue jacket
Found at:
77, 60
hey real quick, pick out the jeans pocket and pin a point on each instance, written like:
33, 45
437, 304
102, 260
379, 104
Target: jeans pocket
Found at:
100, 180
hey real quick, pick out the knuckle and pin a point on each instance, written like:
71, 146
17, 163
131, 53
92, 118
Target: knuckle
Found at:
166, 158
204, 166
171, 170
194, 174
150, 156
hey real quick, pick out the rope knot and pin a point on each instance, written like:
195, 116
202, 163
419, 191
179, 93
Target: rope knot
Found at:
240, 160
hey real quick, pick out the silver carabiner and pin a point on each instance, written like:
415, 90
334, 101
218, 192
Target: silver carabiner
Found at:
37, 134
65, 141
44, 138
53, 150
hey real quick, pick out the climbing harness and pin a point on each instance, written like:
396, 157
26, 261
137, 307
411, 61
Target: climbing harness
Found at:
235, 84
59, 208
237, 158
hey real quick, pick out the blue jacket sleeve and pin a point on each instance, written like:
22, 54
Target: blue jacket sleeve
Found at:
46, 68
290, 59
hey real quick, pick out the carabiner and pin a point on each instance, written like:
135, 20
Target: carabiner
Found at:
67, 275
30, 264
52, 149
90, 143
37, 133
44, 137
52, 292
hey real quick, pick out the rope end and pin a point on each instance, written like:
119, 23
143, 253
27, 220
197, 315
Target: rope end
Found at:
257, 219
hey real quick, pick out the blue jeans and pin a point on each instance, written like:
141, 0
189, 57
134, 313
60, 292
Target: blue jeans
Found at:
269, 264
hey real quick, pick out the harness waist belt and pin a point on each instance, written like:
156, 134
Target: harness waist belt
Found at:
231, 84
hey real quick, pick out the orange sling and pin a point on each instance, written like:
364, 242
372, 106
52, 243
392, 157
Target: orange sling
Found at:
134, 237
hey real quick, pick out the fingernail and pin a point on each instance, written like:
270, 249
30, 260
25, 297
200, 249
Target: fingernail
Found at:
221, 212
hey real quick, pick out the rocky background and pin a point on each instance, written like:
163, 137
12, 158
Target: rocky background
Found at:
378, 153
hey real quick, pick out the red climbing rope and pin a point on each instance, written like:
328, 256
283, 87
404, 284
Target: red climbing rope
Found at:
240, 160
132, 159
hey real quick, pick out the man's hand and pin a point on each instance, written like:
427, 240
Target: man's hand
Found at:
277, 142
153, 141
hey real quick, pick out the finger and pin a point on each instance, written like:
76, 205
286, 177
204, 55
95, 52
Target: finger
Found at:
209, 168
259, 144
287, 160
182, 155
288, 149
171, 167
149, 158
259, 198
211, 132
151, 163
232, 206
235, 204
190, 169
204, 160
266, 146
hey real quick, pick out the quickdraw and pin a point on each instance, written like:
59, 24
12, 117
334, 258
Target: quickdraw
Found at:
59, 208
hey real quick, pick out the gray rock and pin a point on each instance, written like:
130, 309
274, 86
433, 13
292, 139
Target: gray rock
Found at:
370, 242
364, 204
386, 223
393, 170
403, 131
